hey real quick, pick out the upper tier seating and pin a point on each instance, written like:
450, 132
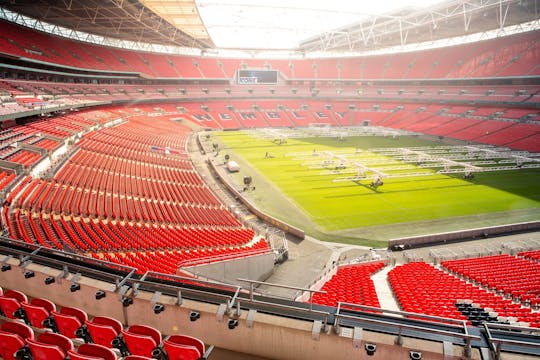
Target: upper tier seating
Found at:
508, 56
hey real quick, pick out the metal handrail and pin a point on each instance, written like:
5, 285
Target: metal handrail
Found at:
497, 343
252, 282
400, 326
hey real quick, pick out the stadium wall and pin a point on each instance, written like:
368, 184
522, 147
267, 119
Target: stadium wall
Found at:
257, 267
462, 235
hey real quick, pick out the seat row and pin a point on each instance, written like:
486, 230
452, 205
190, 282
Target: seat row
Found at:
169, 261
532, 254
82, 235
52, 197
58, 328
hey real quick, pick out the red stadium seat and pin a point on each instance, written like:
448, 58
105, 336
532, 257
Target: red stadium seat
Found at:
42, 351
67, 321
139, 340
18, 328
102, 330
9, 344
92, 352
183, 347
50, 346
37, 311
10, 302
13, 336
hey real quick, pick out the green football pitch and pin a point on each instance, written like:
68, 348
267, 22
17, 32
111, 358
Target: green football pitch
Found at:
292, 183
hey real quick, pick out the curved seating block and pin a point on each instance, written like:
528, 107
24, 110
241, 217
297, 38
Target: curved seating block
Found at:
92, 352
102, 330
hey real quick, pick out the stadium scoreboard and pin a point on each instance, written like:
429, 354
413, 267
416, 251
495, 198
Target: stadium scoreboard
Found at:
257, 76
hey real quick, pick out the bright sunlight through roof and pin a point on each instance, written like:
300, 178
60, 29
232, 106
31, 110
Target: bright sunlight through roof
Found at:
283, 24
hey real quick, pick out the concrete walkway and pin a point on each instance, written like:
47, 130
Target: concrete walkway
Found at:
384, 292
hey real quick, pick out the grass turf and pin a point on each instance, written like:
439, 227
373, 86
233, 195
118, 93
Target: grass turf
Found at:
326, 206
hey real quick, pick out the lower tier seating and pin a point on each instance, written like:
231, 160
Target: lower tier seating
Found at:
422, 288
350, 284
513, 276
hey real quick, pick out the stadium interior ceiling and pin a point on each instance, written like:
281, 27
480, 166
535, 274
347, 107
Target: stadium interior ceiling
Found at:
179, 23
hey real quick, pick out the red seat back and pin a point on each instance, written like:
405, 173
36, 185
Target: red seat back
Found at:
8, 306
59, 340
92, 351
15, 327
9, 344
72, 311
138, 344
44, 303
101, 333
43, 351
76, 356
146, 330
112, 322
187, 340
181, 352
35, 314
67, 322
17, 295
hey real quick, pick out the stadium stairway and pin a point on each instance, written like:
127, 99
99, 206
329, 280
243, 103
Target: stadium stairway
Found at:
384, 292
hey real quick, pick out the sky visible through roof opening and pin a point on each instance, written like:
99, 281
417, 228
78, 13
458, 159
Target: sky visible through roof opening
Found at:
282, 24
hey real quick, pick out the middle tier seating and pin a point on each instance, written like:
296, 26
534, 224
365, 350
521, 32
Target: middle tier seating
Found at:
130, 195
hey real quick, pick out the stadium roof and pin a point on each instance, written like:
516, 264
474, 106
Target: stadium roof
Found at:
302, 26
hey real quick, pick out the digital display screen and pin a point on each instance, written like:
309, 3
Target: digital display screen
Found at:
257, 77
